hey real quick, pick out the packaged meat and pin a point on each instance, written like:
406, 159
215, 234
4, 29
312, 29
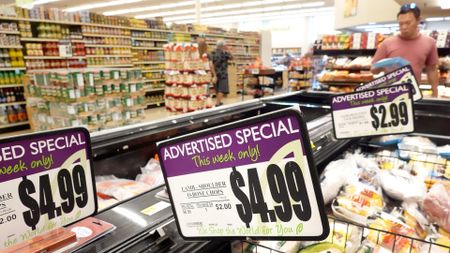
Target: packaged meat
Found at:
436, 205
119, 188
151, 174
402, 185
395, 227
357, 202
417, 144
337, 174
386, 140
444, 151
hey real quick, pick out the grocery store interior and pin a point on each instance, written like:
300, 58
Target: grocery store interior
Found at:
135, 72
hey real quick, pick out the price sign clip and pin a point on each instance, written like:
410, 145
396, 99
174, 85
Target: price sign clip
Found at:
254, 178
373, 112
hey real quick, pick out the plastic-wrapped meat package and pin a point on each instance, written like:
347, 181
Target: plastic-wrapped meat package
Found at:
337, 174
357, 202
401, 185
412, 144
151, 174
119, 188
392, 241
437, 205
368, 169
387, 140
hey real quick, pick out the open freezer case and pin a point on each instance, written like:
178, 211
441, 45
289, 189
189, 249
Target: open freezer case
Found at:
122, 153
394, 226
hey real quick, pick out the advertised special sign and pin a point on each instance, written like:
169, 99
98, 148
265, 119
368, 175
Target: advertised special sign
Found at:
46, 181
402, 75
252, 178
381, 111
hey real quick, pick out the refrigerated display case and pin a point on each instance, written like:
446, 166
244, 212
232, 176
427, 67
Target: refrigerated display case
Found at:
123, 151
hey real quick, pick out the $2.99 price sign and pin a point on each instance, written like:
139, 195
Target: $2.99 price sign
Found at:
381, 111
253, 178
46, 181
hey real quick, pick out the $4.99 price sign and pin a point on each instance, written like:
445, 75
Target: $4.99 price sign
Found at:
46, 182
253, 178
387, 110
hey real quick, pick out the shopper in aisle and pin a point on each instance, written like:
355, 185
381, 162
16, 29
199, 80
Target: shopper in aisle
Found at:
420, 50
220, 57
203, 51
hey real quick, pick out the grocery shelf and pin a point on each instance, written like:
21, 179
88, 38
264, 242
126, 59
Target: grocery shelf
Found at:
149, 29
109, 55
156, 89
349, 69
443, 51
40, 39
10, 85
149, 39
43, 57
15, 124
149, 62
12, 69
8, 47
106, 45
155, 80
9, 32
13, 103
110, 66
156, 103
148, 48
345, 52
152, 70
106, 35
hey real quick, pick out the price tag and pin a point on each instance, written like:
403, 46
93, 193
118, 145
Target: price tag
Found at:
401, 75
381, 111
253, 178
254, 71
46, 181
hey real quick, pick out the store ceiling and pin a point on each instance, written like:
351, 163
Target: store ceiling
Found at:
177, 11
430, 8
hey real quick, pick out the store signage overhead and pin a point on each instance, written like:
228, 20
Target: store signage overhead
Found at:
46, 181
381, 111
401, 75
253, 178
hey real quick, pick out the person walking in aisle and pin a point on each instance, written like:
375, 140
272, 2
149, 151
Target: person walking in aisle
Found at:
220, 57
420, 50
203, 51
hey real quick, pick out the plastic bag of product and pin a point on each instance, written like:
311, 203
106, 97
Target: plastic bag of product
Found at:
357, 202
119, 188
401, 185
386, 140
416, 219
416, 144
389, 223
437, 206
151, 174
444, 151
337, 174
368, 169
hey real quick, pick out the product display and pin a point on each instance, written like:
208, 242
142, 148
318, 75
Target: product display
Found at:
187, 78
98, 99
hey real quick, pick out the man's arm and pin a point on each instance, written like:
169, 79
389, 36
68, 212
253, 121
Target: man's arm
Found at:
433, 78
380, 54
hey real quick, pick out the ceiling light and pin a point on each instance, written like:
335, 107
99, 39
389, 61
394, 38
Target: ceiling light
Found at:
157, 7
445, 4
434, 19
165, 14
447, 18
258, 16
100, 5
245, 11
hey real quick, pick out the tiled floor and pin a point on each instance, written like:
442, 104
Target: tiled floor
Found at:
151, 114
